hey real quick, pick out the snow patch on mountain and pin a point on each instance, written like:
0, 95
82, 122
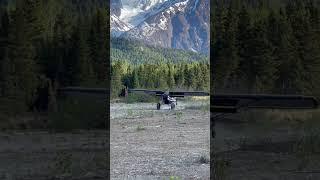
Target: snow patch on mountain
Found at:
142, 4
195, 5
160, 18
179, 24
118, 27
131, 15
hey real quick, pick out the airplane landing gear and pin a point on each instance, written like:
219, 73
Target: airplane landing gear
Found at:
173, 105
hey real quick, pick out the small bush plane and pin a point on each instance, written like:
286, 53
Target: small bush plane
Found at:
232, 103
169, 98
220, 103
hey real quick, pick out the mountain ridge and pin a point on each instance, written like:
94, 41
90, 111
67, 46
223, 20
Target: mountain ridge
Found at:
137, 52
179, 24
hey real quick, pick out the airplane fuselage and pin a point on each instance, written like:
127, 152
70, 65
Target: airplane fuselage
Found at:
166, 99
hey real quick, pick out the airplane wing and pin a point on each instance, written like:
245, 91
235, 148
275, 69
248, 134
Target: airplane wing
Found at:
151, 92
188, 93
231, 103
171, 93
226, 103
104, 91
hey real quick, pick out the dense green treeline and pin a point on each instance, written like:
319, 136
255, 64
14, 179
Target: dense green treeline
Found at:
136, 65
138, 53
162, 76
47, 44
266, 49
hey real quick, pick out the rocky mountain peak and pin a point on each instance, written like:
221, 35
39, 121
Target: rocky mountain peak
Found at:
181, 24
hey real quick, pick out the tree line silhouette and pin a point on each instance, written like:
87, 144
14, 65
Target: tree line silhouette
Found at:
47, 44
136, 65
266, 46
161, 76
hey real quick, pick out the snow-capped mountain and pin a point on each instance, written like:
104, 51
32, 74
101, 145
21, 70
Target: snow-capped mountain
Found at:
182, 24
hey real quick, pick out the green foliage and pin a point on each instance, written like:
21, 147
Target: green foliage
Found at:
193, 76
179, 115
138, 65
140, 97
62, 43
174, 178
140, 128
20, 73
116, 79
138, 53
266, 46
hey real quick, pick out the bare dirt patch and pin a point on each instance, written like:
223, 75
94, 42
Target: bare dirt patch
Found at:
35, 155
266, 150
160, 144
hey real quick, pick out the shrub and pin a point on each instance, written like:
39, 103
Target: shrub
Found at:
140, 128
141, 97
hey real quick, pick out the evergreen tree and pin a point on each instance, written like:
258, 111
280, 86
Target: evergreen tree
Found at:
56, 68
288, 77
135, 79
85, 73
22, 57
4, 35
171, 81
99, 44
244, 34
116, 79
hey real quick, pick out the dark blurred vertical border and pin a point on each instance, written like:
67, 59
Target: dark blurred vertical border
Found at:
109, 94
212, 120
46, 46
266, 47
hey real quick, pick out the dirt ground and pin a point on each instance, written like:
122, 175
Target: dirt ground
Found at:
150, 144
36, 155
256, 151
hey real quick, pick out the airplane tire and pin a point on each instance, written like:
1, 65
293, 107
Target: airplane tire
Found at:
158, 106
173, 105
